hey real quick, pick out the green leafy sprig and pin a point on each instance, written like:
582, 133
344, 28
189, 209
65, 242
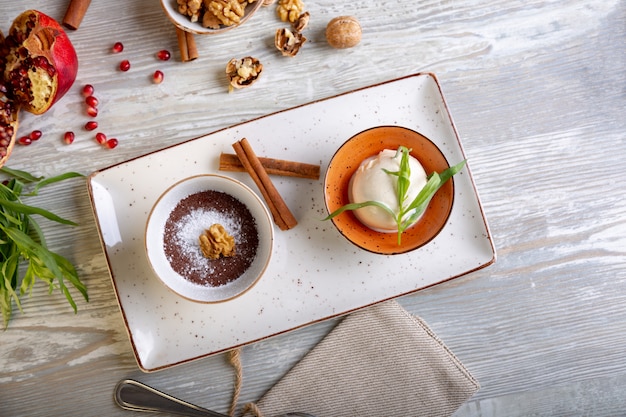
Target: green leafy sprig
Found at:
22, 242
416, 207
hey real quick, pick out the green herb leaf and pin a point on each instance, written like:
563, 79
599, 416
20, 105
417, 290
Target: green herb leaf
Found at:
29, 210
356, 206
20, 175
52, 180
23, 241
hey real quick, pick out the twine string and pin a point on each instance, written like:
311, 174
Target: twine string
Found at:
234, 358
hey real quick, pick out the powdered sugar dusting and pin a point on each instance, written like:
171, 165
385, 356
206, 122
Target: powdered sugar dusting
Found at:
190, 218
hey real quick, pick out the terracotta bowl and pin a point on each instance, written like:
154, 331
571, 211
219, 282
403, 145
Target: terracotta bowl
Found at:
369, 143
184, 22
155, 238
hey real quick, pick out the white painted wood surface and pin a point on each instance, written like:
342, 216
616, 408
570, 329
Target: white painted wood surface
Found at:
537, 90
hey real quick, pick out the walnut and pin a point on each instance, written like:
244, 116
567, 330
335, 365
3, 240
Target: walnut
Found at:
289, 10
216, 242
243, 72
287, 42
229, 12
209, 20
343, 32
268, 2
190, 8
301, 22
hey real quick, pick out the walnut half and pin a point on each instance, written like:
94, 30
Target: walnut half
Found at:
216, 242
289, 10
190, 8
243, 72
287, 42
229, 12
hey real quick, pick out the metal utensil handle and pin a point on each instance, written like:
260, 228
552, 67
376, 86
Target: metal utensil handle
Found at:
133, 395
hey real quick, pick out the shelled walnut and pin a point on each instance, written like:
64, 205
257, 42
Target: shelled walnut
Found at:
216, 242
190, 8
289, 10
243, 72
229, 12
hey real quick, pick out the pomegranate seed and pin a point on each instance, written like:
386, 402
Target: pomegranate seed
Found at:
118, 47
164, 55
35, 135
25, 140
91, 101
157, 77
68, 137
88, 90
92, 111
111, 143
125, 65
91, 125
101, 138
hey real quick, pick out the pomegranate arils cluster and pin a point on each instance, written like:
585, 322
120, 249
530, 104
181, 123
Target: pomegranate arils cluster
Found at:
90, 100
33, 136
101, 138
8, 119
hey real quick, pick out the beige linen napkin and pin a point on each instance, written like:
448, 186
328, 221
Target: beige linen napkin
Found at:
380, 361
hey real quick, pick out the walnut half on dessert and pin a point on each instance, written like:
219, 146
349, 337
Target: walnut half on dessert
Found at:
216, 242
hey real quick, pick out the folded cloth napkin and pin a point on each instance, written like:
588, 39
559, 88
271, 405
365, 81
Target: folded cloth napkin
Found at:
380, 361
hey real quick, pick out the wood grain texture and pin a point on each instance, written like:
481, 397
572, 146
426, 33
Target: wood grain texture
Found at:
537, 90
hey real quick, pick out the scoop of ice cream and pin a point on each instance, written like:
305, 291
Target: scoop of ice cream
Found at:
371, 183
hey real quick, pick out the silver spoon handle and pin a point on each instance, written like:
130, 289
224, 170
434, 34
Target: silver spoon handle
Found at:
133, 395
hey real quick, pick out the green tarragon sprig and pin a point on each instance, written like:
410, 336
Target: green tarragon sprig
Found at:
23, 245
416, 207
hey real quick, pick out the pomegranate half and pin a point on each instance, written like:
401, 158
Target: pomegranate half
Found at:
40, 61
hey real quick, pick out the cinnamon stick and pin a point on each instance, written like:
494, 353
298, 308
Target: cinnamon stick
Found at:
231, 162
187, 45
283, 217
75, 12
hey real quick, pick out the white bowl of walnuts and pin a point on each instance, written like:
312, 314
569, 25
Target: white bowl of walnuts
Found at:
209, 17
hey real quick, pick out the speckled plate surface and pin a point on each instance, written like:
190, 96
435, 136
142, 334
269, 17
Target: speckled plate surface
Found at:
314, 273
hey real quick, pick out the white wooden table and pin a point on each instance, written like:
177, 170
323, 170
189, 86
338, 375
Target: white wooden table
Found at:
537, 91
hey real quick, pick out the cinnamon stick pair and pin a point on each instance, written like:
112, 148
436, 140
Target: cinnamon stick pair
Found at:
230, 162
187, 45
283, 217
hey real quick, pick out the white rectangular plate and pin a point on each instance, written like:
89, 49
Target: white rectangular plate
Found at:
315, 273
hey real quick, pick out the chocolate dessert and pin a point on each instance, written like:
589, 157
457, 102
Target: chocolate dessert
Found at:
191, 217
